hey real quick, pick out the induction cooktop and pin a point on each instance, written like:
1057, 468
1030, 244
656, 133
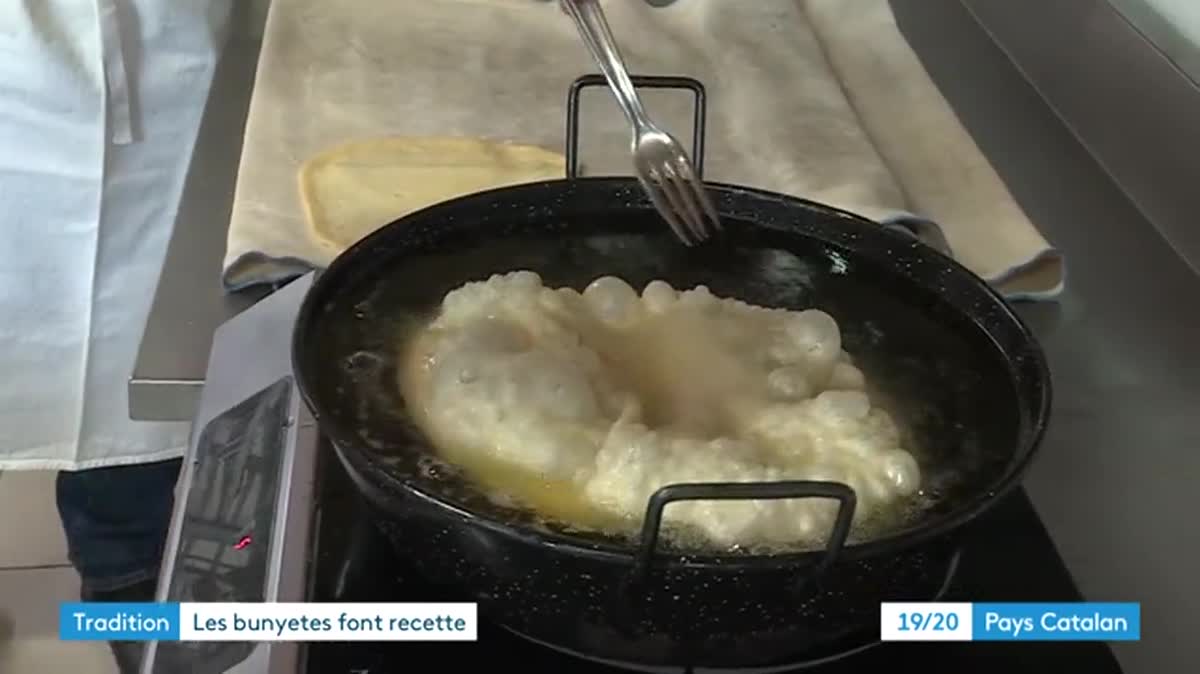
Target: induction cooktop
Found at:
266, 513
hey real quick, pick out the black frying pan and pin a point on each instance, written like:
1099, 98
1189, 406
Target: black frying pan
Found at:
956, 364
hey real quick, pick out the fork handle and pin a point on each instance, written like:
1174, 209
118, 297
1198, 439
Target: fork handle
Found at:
593, 28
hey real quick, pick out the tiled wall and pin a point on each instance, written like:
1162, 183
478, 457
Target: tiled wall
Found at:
1127, 102
1172, 25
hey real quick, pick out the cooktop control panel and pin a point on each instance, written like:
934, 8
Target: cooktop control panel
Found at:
244, 510
229, 521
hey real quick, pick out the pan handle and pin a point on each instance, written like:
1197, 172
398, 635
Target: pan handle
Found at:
639, 82
747, 491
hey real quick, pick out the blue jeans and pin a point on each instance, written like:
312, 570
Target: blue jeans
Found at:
116, 521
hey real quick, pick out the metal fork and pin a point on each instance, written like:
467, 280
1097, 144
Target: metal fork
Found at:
663, 167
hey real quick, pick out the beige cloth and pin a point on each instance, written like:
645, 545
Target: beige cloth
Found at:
779, 117
942, 172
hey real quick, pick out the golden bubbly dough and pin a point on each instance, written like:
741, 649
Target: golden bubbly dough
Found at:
351, 190
574, 402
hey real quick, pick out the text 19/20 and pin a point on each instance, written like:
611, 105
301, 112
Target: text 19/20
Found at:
932, 621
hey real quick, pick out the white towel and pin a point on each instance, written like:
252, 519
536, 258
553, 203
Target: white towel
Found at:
791, 108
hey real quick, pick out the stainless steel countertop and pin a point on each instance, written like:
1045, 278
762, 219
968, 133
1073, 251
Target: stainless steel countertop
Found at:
190, 302
1115, 481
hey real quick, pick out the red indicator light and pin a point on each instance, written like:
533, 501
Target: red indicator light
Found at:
243, 542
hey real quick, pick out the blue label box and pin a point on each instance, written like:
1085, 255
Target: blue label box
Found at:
113, 621
1082, 621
